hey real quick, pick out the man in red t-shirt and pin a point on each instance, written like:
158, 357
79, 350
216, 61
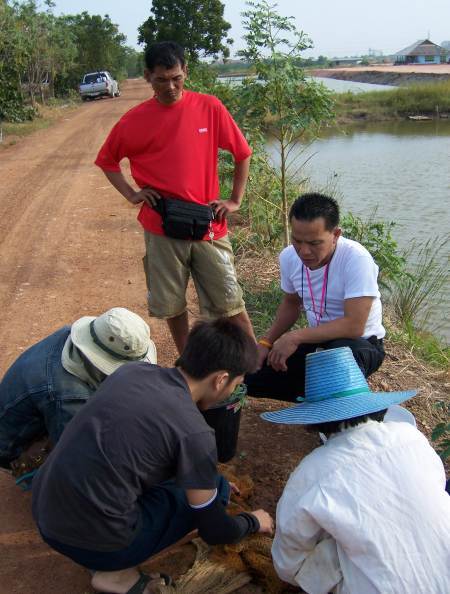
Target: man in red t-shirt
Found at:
172, 142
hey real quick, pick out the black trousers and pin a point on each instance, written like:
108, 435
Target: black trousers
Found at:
287, 385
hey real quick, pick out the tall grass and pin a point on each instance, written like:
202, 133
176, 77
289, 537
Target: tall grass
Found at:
415, 294
44, 118
417, 99
262, 304
424, 344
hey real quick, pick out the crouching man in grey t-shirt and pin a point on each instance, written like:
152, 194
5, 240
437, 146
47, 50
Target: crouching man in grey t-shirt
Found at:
135, 471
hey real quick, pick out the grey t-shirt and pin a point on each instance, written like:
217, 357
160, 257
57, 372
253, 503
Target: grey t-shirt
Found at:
142, 428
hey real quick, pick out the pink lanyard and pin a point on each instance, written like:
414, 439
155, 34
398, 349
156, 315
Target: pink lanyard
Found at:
318, 314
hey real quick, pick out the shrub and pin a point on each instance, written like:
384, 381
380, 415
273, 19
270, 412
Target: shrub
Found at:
376, 237
441, 432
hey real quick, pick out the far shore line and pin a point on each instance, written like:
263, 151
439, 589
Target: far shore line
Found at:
384, 75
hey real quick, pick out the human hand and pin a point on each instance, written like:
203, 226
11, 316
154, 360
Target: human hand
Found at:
282, 349
147, 195
263, 352
223, 207
265, 521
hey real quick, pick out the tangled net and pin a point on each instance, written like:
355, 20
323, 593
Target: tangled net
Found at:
224, 569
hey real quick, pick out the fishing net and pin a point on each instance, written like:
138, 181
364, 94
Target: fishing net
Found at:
227, 568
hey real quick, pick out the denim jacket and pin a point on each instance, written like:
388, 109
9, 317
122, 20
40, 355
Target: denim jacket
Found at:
38, 396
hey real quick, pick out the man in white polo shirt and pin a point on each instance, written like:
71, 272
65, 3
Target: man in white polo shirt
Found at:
332, 279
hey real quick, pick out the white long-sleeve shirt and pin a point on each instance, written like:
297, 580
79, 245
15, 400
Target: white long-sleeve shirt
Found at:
366, 513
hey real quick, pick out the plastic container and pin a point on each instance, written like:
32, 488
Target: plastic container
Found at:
399, 414
225, 419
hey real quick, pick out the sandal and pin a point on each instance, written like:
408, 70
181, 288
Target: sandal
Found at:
144, 579
25, 481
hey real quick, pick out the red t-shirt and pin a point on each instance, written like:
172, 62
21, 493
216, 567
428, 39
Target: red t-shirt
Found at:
174, 149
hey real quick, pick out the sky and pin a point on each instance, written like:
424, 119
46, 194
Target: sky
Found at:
337, 27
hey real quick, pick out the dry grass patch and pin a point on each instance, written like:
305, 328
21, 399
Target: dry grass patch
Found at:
12, 132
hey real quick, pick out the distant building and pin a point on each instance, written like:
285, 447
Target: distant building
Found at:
421, 52
446, 46
345, 61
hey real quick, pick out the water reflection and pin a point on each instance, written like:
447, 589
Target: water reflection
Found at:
344, 86
338, 86
407, 128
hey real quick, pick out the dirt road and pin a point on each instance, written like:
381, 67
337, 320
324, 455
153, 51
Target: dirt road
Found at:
70, 246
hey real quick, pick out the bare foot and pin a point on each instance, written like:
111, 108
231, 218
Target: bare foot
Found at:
119, 582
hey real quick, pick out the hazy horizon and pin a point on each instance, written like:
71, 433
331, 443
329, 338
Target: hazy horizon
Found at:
343, 29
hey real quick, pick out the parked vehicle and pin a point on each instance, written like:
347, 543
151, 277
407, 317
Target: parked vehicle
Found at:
98, 84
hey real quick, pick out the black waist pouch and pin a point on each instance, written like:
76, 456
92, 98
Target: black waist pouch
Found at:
184, 220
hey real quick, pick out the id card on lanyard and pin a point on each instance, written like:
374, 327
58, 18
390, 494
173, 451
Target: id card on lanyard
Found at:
318, 313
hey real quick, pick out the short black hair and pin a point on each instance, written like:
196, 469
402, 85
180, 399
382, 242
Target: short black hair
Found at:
311, 206
338, 426
218, 345
165, 53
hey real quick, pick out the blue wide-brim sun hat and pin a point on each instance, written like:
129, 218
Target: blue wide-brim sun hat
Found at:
335, 389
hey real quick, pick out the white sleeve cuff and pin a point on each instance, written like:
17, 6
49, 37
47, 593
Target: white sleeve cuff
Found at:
206, 503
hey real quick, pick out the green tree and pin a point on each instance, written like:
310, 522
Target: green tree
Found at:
12, 65
198, 26
322, 61
43, 54
62, 59
134, 63
281, 98
47, 46
100, 45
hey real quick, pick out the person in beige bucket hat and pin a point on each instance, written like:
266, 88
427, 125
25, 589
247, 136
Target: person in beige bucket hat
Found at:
112, 339
51, 381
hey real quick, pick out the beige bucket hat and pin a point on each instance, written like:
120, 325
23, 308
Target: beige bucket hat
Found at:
113, 338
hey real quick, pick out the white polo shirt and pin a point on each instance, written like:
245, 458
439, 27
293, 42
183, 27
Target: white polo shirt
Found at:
352, 272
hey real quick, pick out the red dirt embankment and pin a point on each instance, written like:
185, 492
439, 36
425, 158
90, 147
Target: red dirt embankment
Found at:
70, 247
388, 75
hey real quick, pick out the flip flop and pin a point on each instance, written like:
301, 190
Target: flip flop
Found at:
24, 481
144, 579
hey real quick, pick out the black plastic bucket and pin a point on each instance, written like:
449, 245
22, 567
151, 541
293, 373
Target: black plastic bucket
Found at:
225, 419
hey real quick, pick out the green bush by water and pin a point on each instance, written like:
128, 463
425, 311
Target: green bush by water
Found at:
376, 236
417, 99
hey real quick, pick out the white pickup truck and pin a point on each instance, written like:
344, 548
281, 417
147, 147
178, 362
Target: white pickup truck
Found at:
98, 84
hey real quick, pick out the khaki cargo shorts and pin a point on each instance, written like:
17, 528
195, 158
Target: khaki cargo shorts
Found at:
169, 262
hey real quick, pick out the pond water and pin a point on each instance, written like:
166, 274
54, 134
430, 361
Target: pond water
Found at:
401, 170
343, 86
338, 86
